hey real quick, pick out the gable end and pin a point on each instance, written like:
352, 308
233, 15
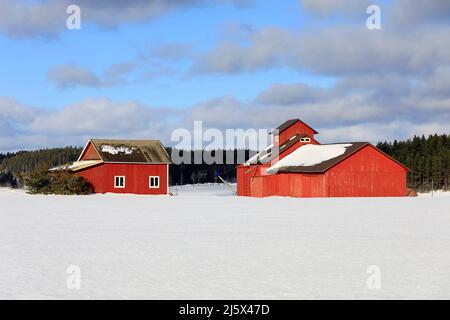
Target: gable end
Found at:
89, 152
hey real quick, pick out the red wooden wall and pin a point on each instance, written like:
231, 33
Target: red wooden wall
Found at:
137, 177
246, 175
90, 153
289, 185
296, 128
367, 173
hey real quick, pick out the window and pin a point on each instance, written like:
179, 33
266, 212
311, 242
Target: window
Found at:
153, 182
119, 182
305, 139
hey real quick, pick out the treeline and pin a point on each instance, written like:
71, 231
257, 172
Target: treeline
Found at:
428, 158
27, 161
14, 164
181, 174
5, 155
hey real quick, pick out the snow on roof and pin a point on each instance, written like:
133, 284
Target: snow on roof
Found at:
77, 165
116, 150
310, 155
259, 156
268, 154
131, 151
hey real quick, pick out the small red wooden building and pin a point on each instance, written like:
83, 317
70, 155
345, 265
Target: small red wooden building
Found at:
303, 167
124, 166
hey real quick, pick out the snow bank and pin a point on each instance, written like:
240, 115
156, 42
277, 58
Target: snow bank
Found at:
203, 190
310, 155
438, 193
203, 247
117, 150
77, 165
7, 191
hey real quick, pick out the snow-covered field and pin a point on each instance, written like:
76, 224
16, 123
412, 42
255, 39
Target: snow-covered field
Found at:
207, 244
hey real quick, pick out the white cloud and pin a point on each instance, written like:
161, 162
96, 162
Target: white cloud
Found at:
370, 131
288, 94
339, 51
338, 115
100, 116
12, 110
329, 7
24, 18
411, 13
402, 13
67, 76
31, 18
27, 127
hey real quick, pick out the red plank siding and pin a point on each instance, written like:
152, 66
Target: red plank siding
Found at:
367, 173
137, 177
90, 153
297, 128
246, 174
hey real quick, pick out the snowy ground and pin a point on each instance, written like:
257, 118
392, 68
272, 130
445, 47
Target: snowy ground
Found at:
438, 193
205, 243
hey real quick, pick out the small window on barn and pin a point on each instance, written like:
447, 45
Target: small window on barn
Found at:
119, 182
153, 182
305, 139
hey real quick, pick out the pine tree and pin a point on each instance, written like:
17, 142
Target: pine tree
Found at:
428, 158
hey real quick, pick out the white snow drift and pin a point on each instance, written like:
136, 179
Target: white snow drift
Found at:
206, 244
77, 165
117, 150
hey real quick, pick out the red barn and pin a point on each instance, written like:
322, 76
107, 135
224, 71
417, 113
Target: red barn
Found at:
124, 166
305, 168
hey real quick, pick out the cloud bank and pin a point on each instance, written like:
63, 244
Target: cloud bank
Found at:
389, 84
27, 19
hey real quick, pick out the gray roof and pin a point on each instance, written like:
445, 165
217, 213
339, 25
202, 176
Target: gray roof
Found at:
287, 124
131, 151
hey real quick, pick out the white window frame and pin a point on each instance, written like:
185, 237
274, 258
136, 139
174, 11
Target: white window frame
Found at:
305, 140
115, 180
157, 178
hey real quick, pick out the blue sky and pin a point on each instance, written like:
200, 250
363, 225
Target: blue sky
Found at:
96, 48
157, 65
